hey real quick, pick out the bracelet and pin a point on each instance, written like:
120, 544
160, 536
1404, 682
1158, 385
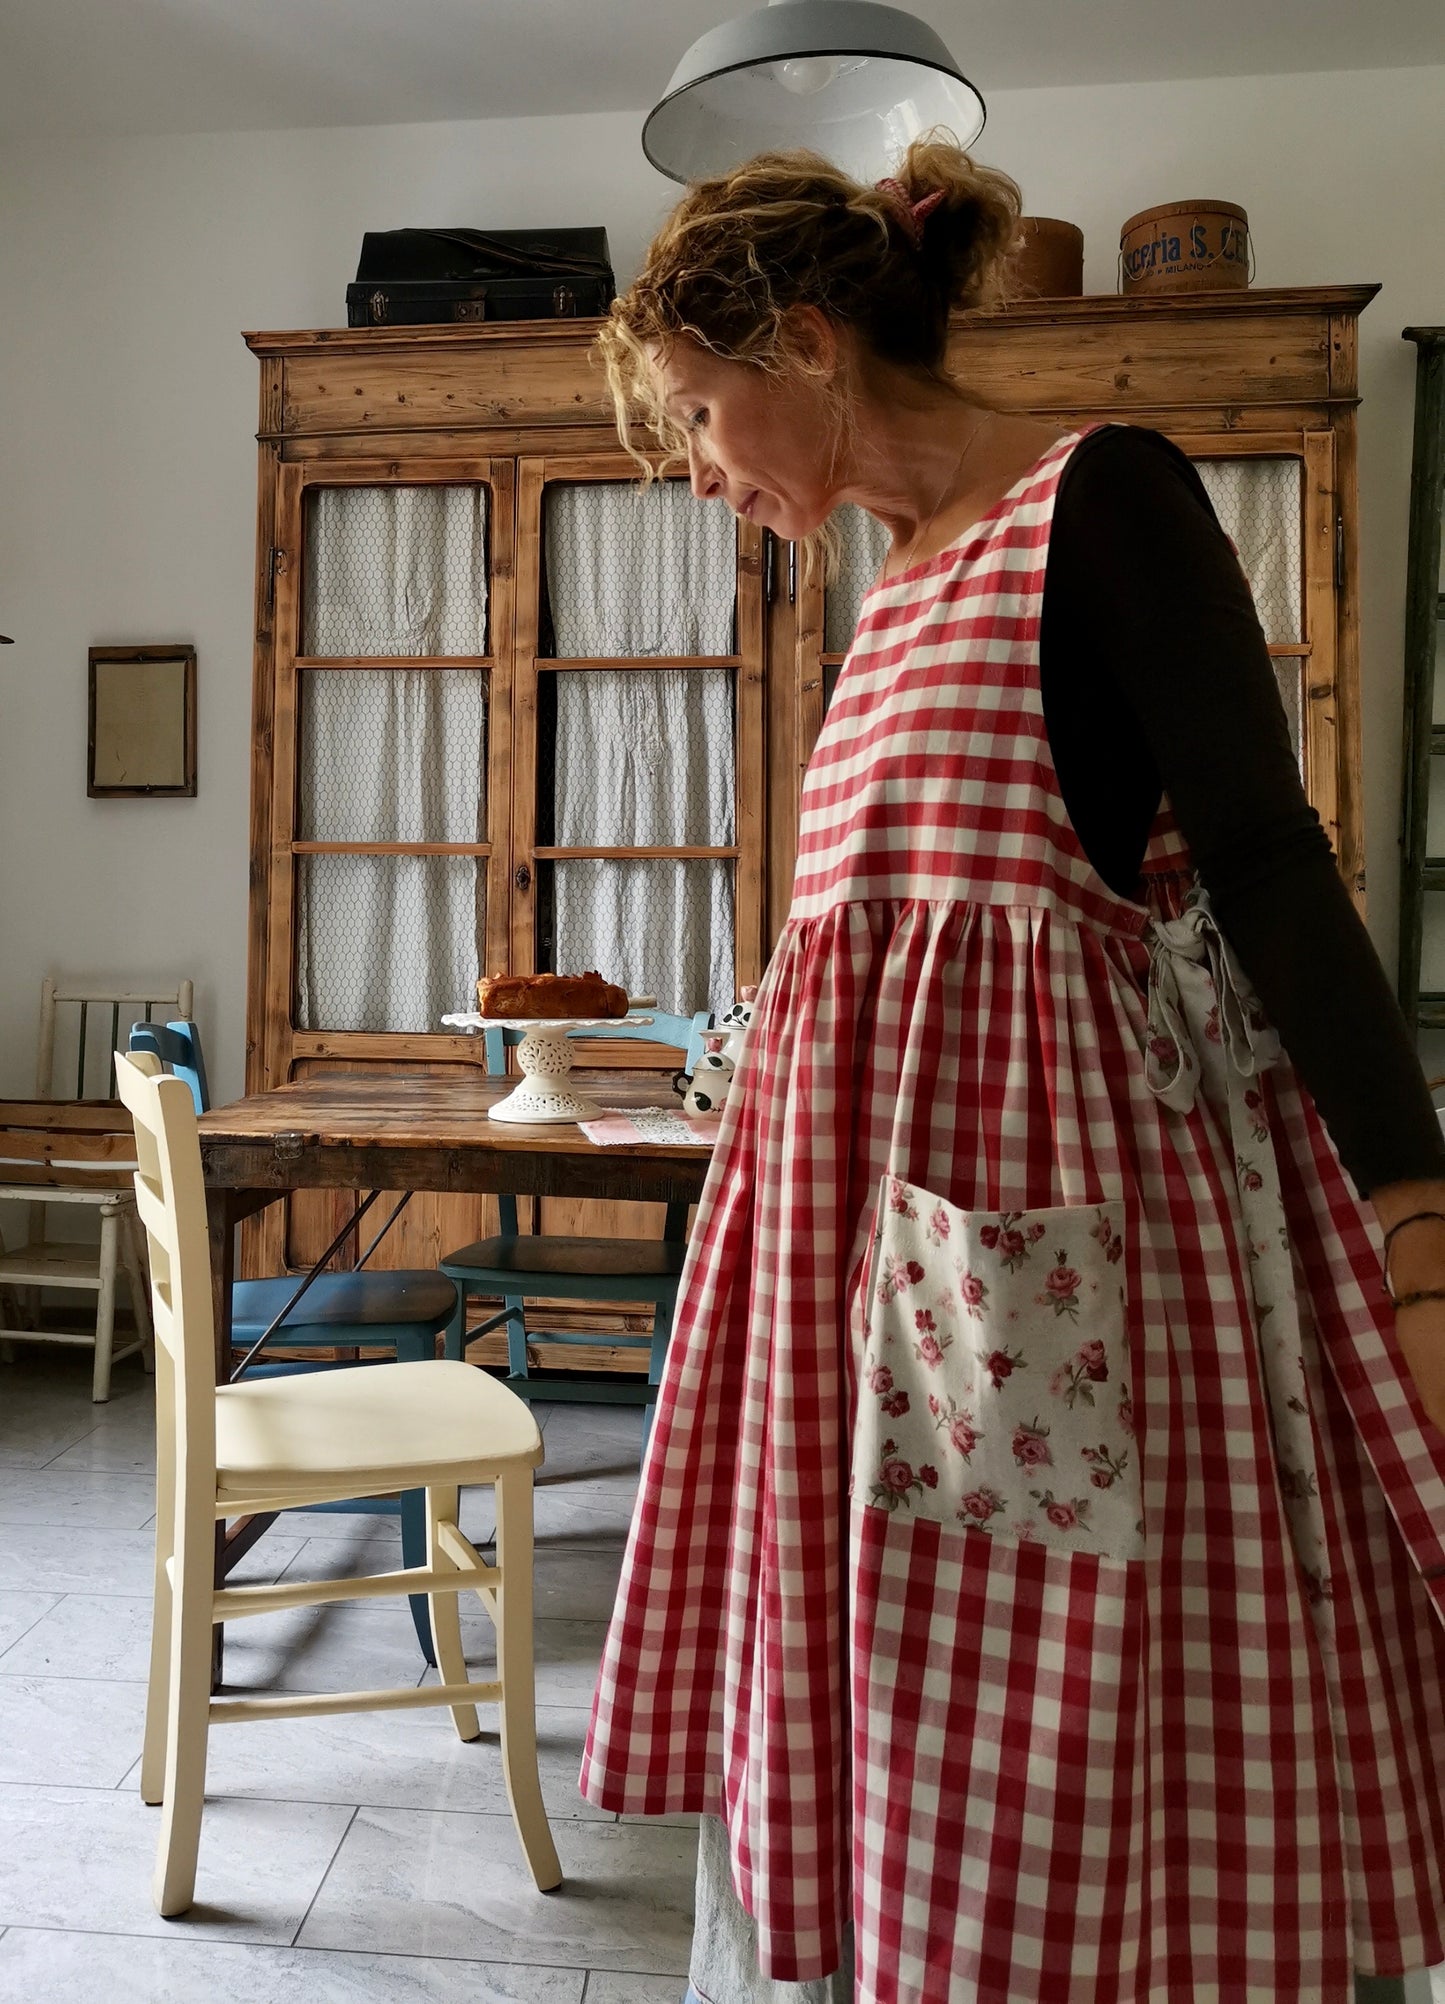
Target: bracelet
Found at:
1427, 1294
1415, 1218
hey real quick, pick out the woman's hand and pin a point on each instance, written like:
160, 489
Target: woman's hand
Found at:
1415, 1264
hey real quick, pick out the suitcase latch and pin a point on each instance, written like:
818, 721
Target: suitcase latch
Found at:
376, 306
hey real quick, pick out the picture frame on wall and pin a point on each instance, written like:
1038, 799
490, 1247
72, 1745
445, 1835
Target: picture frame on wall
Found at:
142, 708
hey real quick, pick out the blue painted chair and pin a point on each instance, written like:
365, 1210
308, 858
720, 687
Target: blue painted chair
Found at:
401, 1312
525, 1266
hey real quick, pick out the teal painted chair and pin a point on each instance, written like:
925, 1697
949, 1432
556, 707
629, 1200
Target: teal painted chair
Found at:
523, 1266
400, 1312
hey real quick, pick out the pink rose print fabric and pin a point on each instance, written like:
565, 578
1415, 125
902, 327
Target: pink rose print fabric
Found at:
995, 1384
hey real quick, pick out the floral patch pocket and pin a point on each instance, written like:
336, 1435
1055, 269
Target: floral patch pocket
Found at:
994, 1392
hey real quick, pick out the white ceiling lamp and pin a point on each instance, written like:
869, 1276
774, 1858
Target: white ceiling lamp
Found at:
852, 80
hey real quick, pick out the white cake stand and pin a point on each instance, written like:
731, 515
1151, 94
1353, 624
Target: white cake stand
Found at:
545, 1054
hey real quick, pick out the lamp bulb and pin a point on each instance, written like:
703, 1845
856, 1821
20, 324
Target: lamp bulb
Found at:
804, 76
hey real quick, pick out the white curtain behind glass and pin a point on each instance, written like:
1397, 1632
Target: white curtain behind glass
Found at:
638, 571
388, 942
645, 758
1260, 505
396, 570
862, 546
392, 755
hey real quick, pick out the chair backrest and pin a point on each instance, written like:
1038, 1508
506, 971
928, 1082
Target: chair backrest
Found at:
178, 1046
122, 1004
170, 1196
685, 1032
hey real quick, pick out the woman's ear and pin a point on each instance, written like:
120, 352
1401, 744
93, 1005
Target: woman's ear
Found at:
814, 340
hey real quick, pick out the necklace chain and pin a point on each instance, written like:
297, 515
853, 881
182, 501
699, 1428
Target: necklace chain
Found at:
907, 558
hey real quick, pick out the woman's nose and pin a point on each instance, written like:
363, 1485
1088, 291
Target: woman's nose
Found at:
706, 481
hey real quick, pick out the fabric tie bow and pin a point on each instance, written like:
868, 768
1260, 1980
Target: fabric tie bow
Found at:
1187, 951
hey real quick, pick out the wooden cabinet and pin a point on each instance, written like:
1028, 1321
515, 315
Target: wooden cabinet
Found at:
423, 800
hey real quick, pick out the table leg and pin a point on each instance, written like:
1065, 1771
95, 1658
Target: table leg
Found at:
221, 1230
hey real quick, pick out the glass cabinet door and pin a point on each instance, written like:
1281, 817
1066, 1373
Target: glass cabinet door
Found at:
862, 546
1260, 505
391, 815
639, 830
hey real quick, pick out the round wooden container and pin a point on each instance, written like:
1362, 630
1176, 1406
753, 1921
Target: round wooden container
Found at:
1185, 247
1049, 261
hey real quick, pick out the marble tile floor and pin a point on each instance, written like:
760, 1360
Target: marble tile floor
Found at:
365, 1857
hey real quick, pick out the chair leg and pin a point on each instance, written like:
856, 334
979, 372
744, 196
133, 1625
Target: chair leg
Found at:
414, 1349
188, 1714
153, 1751
442, 1506
513, 1616
132, 1258
105, 1306
661, 1337
516, 1337
414, 1549
454, 1342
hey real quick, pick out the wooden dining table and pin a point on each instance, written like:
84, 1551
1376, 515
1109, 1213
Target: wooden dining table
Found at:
404, 1131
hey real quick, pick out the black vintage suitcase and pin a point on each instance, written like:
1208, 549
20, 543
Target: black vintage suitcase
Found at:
409, 278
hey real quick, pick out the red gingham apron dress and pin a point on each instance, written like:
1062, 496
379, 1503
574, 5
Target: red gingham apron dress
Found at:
1033, 1373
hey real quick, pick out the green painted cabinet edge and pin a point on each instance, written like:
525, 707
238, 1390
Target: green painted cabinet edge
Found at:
1424, 606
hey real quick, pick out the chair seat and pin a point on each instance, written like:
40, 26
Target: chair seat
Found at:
365, 1430
51, 1263
422, 1298
534, 1264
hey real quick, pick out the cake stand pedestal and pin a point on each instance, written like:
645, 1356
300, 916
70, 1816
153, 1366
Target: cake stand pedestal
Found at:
545, 1095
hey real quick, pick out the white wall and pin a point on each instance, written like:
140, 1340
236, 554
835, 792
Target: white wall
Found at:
128, 408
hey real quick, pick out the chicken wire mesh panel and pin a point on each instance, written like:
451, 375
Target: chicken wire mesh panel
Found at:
862, 546
395, 570
644, 758
1260, 505
1290, 676
393, 755
658, 926
634, 572
387, 942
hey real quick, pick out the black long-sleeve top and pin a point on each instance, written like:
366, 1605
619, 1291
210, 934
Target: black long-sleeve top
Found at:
1156, 679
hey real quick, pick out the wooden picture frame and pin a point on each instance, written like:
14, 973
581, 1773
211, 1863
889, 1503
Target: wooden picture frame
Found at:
142, 710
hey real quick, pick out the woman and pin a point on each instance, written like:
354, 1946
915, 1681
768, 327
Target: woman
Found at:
1027, 1573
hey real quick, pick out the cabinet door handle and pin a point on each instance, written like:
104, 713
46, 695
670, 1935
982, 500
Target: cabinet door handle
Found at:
522, 877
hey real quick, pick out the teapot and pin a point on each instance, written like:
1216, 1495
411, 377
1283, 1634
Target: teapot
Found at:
705, 1088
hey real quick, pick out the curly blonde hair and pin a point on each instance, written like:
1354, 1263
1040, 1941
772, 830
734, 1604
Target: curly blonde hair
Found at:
740, 252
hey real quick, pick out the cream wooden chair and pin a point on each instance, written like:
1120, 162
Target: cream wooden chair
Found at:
63, 1263
283, 1442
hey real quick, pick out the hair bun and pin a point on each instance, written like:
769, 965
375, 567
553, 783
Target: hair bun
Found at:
975, 217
